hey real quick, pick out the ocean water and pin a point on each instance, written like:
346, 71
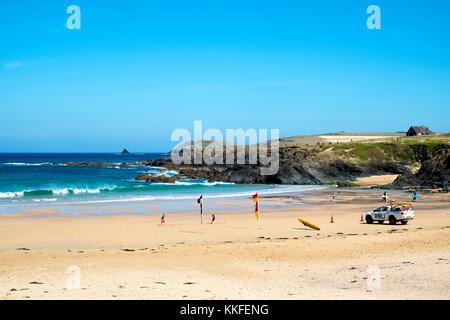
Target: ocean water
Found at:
34, 178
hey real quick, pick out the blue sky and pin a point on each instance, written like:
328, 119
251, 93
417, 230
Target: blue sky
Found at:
137, 70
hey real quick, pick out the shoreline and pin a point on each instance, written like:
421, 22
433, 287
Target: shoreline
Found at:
130, 256
168, 201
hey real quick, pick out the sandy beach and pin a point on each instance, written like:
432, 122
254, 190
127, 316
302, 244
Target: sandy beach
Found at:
132, 256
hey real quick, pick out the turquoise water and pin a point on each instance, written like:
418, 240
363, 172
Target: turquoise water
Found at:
38, 178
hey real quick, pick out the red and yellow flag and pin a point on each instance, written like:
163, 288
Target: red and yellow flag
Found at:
255, 200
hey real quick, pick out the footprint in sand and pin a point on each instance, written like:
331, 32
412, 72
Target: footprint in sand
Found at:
35, 282
128, 250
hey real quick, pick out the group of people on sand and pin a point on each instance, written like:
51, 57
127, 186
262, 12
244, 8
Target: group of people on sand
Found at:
163, 218
414, 197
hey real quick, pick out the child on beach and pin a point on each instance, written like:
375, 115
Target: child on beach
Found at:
163, 218
213, 218
385, 197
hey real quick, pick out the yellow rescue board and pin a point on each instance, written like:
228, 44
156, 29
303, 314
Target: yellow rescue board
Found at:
306, 223
401, 203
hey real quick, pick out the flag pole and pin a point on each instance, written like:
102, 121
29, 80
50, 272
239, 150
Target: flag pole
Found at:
200, 202
255, 200
201, 213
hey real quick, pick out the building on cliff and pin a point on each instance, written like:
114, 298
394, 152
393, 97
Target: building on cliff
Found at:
418, 131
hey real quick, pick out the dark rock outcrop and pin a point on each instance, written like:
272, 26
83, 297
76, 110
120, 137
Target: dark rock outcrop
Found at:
294, 168
319, 164
433, 174
149, 178
125, 152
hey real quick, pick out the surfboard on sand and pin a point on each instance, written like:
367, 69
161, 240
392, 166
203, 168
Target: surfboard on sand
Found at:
401, 203
308, 224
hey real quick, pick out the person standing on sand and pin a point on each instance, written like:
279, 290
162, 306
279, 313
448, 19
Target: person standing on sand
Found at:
333, 197
213, 218
414, 196
385, 197
163, 218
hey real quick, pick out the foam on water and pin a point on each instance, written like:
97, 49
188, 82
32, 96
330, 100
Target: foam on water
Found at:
28, 178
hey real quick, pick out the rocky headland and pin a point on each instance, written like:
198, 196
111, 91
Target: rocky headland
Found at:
419, 164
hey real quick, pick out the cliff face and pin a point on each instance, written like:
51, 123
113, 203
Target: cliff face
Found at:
321, 163
434, 173
298, 165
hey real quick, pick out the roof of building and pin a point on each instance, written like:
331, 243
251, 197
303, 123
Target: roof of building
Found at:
421, 129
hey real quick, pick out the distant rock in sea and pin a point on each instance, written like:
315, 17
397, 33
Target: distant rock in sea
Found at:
125, 152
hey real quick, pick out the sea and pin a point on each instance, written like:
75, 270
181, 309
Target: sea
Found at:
42, 178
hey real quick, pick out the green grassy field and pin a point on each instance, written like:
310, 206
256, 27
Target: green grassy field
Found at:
342, 137
405, 149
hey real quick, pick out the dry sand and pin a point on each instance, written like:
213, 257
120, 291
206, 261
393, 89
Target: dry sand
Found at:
132, 257
380, 180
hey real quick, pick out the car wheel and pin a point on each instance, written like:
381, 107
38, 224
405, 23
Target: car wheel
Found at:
404, 222
380, 221
369, 219
392, 220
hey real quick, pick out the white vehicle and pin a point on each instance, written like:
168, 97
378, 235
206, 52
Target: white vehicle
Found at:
392, 212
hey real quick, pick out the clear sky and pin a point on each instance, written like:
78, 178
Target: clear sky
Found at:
137, 70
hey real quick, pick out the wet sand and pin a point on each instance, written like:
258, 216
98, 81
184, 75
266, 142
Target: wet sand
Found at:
131, 256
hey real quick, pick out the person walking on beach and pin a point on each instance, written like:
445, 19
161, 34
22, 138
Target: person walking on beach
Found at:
333, 197
213, 218
385, 197
163, 218
414, 196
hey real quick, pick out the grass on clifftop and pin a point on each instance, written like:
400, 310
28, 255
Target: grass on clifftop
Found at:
405, 149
